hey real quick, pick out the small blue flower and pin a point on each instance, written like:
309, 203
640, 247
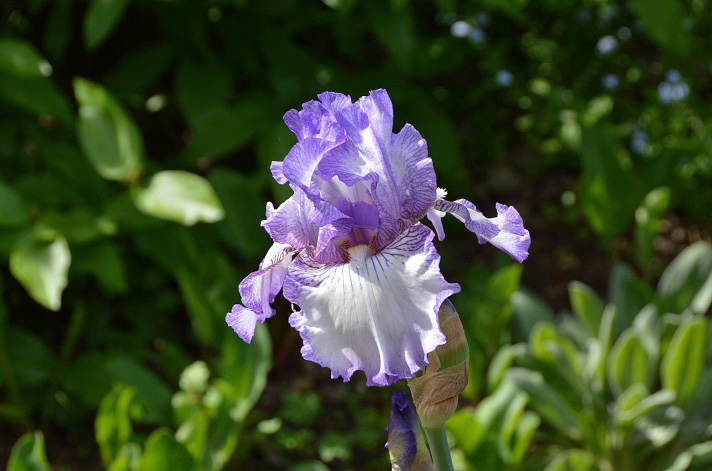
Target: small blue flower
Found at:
639, 142
504, 78
349, 249
673, 76
610, 82
606, 45
460, 29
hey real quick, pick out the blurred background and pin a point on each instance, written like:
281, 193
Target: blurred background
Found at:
135, 142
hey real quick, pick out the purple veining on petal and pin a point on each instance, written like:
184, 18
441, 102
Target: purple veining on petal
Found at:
505, 231
367, 275
343, 320
258, 291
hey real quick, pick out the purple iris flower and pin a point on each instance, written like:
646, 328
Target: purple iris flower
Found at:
348, 248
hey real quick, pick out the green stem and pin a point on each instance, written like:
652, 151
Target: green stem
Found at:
439, 449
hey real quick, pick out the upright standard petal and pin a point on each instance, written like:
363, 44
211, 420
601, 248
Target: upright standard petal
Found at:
506, 231
258, 291
406, 445
289, 224
397, 165
377, 313
317, 118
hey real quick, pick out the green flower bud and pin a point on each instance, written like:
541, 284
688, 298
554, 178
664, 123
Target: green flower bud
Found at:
435, 392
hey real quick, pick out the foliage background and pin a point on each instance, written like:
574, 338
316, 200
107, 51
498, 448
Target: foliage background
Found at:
591, 117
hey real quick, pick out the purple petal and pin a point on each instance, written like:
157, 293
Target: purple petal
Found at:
403, 430
435, 218
417, 182
316, 119
277, 169
302, 160
505, 231
289, 224
377, 313
258, 291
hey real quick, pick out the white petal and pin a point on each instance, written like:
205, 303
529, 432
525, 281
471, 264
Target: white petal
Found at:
377, 313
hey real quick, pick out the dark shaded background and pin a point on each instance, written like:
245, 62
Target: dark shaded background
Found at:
573, 111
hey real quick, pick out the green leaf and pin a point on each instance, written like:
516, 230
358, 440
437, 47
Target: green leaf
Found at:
245, 366
635, 403
527, 426
684, 360
112, 427
108, 136
608, 193
12, 210
628, 293
42, 268
225, 129
103, 260
127, 459
243, 198
100, 20
628, 363
25, 78
573, 460
181, 197
587, 306
529, 310
92, 376
31, 358
647, 221
200, 88
165, 453
548, 402
28, 454
687, 281
663, 22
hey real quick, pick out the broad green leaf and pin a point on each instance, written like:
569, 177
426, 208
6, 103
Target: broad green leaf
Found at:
181, 197
101, 18
586, 305
647, 221
608, 193
32, 360
12, 208
127, 458
28, 454
107, 134
225, 129
548, 402
687, 281
573, 460
199, 89
112, 427
528, 311
635, 403
243, 199
165, 453
104, 261
245, 366
25, 78
663, 22
41, 267
498, 367
465, 428
628, 363
684, 360
526, 428
628, 293
138, 71
92, 376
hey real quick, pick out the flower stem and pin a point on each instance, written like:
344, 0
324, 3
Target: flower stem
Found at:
439, 449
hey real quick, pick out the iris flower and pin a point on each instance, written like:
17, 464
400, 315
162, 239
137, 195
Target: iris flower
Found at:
349, 249
406, 445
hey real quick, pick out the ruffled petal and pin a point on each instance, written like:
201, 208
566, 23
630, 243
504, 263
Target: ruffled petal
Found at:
377, 313
397, 166
289, 224
505, 231
258, 291
316, 119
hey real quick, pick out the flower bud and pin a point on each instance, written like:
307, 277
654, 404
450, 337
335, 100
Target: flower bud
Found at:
436, 391
406, 445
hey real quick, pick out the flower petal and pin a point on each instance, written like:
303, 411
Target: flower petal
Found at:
505, 231
377, 313
406, 445
316, 119
397, 165
289, 224
258, 291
